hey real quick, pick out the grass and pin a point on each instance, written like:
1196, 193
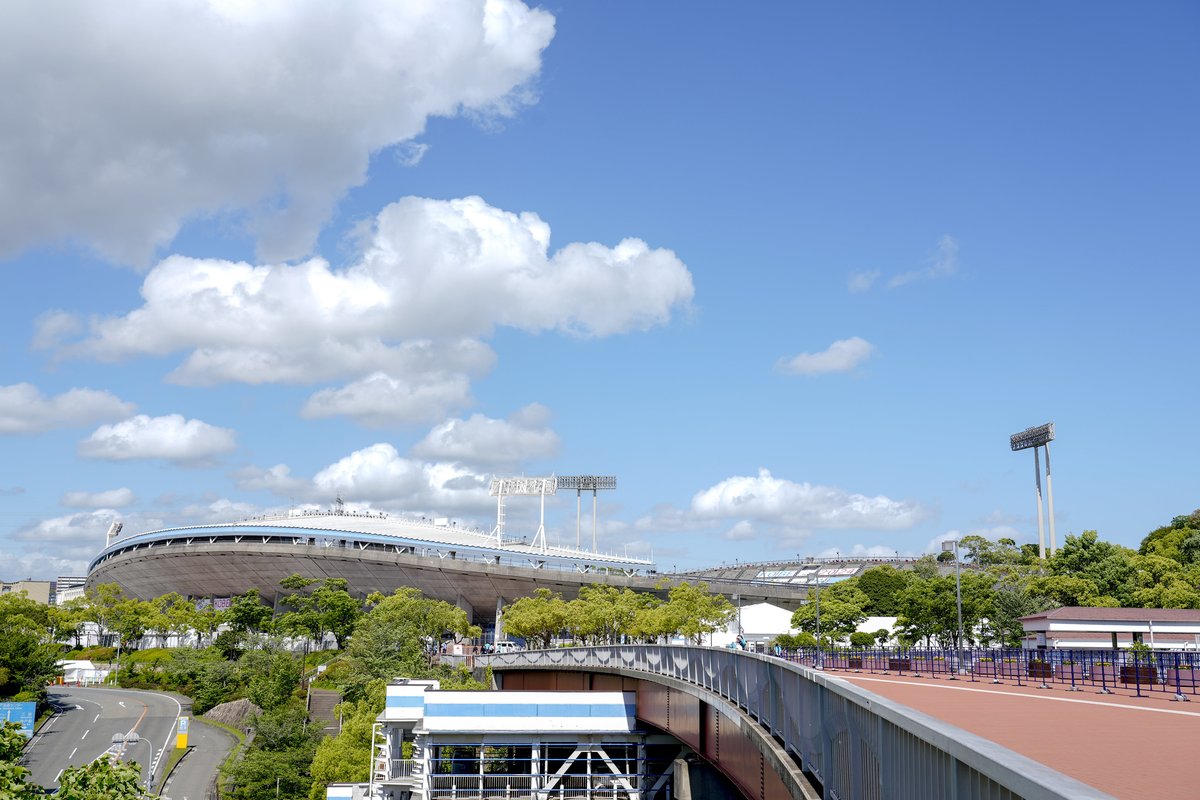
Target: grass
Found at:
176, 756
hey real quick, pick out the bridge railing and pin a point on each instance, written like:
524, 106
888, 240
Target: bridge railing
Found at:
856, 744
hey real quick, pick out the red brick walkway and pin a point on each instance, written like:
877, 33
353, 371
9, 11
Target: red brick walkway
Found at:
1126, 746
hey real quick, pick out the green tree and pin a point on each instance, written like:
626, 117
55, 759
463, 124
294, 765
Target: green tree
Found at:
283, 749
694, 612
101, 780
538, 618
603, 614
399, 636
882, 585
248, 614
1063, 590
841, 609
346, 758
328, 608
28, 660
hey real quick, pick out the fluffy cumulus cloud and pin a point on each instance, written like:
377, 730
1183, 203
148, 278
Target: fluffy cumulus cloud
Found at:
379, 399
860, 551
124, 120
113, 498
24, 409
844, 355
483, 440
62, 545
405, 319
170, 437
379, 474
801, 505
741, 531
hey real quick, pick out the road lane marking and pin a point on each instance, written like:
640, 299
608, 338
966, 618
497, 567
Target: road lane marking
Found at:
85, 733
59, 775
121, 703
72, 754
96, 718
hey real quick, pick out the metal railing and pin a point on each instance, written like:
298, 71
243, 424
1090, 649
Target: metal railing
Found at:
1172, 672
856, 744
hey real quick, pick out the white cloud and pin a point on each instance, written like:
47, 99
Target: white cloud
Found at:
53, 327
169, 437
740, 532
113, 498
859, 551
380, 399
432, 278
69, 537
278, 479
379, 474
943, 264
24, 409
123, 120
803, 505
482, 440
862, 281
841, 356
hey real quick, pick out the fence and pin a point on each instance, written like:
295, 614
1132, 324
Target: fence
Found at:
854, 743
1176, 673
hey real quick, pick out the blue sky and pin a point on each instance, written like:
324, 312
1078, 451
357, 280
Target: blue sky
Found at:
793, 273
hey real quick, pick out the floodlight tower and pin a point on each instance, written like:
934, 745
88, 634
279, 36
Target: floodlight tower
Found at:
1033, 438
502, 487
579, 483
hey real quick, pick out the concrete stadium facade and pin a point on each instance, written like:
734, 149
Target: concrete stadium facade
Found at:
376, 553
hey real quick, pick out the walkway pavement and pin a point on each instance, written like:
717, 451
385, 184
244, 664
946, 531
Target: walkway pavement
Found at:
1127, 746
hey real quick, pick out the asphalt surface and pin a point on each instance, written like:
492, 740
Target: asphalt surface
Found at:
90, 718
196, 772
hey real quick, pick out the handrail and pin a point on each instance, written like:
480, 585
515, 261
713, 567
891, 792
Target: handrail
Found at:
856, 743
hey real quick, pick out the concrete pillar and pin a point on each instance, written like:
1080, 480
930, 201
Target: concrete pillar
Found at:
499, 619
682, 781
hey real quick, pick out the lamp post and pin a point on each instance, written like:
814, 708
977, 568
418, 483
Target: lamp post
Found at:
820, 653
948, 546
124, 739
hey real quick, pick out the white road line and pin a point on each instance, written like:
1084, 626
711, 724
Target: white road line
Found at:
95, 718
72, 754
59, 775
85, 733
1024, 694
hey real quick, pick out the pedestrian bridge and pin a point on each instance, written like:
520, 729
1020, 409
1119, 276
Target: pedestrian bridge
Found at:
778, 729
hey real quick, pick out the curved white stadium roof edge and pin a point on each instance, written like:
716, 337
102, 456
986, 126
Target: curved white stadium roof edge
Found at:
376, 529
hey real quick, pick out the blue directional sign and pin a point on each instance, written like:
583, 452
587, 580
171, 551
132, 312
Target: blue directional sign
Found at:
25, 714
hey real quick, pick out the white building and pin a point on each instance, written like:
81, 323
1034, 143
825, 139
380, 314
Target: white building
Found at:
1086, 628
513, 744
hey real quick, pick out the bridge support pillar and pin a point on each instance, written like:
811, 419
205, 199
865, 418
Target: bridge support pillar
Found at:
682, 782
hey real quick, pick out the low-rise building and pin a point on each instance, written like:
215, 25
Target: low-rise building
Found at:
35, 590
1086, 628
514, 744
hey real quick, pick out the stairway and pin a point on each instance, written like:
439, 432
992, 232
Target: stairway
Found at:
321, 703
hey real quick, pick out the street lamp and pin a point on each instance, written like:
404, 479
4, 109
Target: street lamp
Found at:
951, 545
133, 738
817, 601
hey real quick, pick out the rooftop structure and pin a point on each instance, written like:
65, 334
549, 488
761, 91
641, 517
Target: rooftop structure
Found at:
1084, 627
430, 743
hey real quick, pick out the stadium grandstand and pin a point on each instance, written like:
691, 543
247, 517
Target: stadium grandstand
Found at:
801, 572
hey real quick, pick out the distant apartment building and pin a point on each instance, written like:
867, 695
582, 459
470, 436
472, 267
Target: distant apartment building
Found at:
36, 590
68, 587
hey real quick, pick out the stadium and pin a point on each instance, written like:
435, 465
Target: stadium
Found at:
476, 570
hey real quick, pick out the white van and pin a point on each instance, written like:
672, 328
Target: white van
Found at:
508, 647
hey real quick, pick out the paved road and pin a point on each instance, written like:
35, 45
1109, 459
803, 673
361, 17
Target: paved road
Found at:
193, 776
84, 731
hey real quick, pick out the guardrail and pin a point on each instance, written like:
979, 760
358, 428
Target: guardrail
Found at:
1172, 672
856, 744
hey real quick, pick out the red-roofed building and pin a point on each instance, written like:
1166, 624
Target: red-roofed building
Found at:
1083, 628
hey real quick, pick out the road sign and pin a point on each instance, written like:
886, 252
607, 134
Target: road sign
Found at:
24, 714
